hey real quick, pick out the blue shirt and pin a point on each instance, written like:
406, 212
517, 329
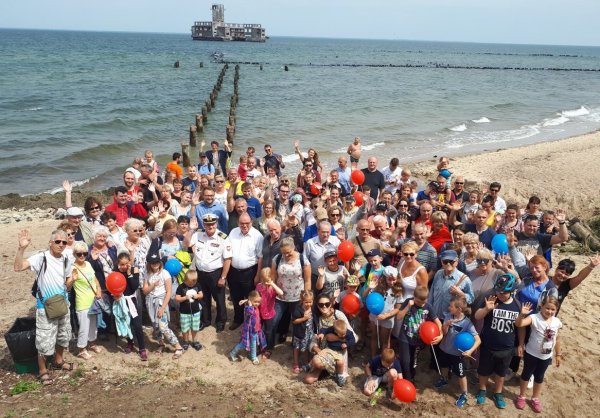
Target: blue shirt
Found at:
379, 370
254, 207
344, 179
216, 209
447, 343
207, 168
439, 295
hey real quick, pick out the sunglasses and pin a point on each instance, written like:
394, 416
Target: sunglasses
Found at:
447, 261
408, 254
219, 181
285, 181
324, 305
60, 241
95, 208
482, 261
137, 230
364, 229
494, 190
459, 182
81, 254
335, 214
70, 234
403, 206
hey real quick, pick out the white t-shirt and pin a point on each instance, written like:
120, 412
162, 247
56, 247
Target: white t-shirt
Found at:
389, 301
389, 175
543, 336
160, 278
52, 282
221, 198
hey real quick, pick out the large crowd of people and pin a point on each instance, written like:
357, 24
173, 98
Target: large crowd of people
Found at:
269, 239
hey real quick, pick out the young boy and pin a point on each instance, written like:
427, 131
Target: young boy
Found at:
331, 276
413, 313
372, 270
384, 368
350, 289
338, 340
188, 296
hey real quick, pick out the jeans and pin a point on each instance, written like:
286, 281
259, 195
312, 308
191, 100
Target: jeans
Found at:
283, 315
268, 326
240, 346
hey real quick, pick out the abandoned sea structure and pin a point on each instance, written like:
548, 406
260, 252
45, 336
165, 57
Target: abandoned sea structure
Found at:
218, 30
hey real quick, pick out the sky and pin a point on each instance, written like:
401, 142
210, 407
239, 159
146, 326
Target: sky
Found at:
554, 22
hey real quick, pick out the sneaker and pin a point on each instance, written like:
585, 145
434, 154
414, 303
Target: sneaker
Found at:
530, 383
340, 380
306, 368
128, 348
520, 402
143, 355
196, 345
499, 400
255, 361
481, 397
461, 400
440, 383
536, 405
233, 356
185, 345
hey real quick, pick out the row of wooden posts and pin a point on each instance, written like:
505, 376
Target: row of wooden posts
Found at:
209, 104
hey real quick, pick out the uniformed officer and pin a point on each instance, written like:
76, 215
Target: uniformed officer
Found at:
212, 250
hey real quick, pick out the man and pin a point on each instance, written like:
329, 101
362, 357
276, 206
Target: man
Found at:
448, 282
251, 154
174, 166
312, 231
391, 175
205, 167
315, 248
253, 206
246, 244
53, 277
272, 242
458, 192
125, 207
344, 175
480, 227
532, 238
499, 203
426, 255
218, 158
191, 181
212, 255
424, 216
363, 242
82, 229
129, 180
333, 182
150, 184
308, 167
273, 160
373, 177
208, 205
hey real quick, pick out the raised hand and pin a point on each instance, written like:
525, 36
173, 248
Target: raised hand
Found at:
560, 215
68, 188
296, 144
594, 261
527, 308
490, 302
321, 270
194, 224
24, 238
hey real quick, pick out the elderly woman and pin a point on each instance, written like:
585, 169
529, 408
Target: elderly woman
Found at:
87, 289
102, 255
326, 315
70, 231
135, 245
291, 272
440, 234
468, 257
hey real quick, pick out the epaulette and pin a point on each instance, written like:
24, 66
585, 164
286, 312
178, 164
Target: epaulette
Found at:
222, 235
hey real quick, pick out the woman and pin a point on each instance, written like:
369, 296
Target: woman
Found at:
411, 273
220, 190
93, 210
70, 231
458, 235
440, 234
565, 284
468, 258
291, 272
102, 257
511, 220
535, 280
182, 206
312, 156
168, 244
267, 215
177, 189
334, 214
87, 289
326, 315
135, 245
533, 208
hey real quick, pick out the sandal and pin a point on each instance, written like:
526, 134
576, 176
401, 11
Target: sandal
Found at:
45, 379
96, 349
266, 354
296, 369
84, 355
67, 367
178, 353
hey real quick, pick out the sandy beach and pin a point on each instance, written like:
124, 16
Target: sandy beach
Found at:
562, 173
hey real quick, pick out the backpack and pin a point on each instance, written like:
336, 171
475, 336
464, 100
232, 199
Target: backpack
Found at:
34, 287
278, 261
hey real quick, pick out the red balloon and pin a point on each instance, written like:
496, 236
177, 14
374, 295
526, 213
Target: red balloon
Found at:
345, 251
358, 177
428, 331
350, 304
358, 198
404, 390
314, 189
116, 283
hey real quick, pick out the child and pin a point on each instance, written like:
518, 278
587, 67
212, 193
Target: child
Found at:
384, 368
381, 325
351, 286
331, 275
405, 177
188, 297
157, 287
354, 150
268, 290
443, 168
469, 208
368, 272
302, 320
413, 313
456, 321
252, 334
543, 341
499, 312
242, 168
412, 200
338, 341
149, 156
132, 277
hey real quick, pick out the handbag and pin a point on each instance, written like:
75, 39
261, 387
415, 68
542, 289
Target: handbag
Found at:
56, 306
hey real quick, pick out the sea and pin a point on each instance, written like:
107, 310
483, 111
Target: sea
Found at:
82, 105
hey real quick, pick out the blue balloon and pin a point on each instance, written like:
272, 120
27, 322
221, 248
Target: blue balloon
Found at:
173, 266
500, 244
375, 303
464, 341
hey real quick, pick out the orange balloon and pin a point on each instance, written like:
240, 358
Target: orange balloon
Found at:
358, 177
428, 331
404, 390
350, 304
358, 198
345, 251
116, 283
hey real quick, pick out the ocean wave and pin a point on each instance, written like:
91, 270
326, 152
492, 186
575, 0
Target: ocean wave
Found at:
582, 111
114, 123
555, 121
483, 138
32, 109
75, 183
290, 158
459, 128
482, 119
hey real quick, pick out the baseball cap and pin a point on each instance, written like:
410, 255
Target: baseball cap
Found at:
352, 280
330, 253
374, 252
153, 258
74, 211
449, 255
320, 214
381, 206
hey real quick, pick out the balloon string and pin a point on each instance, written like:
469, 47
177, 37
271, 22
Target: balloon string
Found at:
436, 360
378, 343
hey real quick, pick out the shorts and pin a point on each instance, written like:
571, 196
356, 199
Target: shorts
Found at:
492, 361
454, 363
51, 332
189, 321
353, 160
302, 344
329, 357
378, 380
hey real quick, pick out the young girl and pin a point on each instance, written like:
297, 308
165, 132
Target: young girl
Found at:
302, 319
149, 159
252, 334
132, 276
543, 341
268, 290
456, 321
188, 297
157, 287
87, 288
381, 325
